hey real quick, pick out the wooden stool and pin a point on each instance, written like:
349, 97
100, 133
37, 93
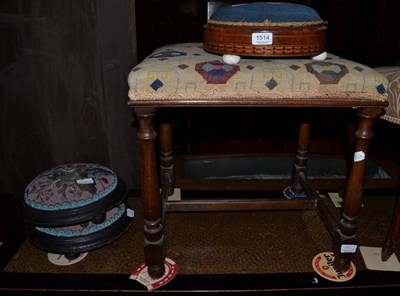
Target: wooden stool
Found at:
185, 75
392, 114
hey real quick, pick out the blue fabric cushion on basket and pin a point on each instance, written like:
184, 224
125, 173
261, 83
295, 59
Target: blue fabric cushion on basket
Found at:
270, 12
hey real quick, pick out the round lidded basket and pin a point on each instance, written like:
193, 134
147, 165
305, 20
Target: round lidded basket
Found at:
265, 29
71, 194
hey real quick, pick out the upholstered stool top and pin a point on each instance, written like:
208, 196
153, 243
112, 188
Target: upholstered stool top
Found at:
392, 111
186, 75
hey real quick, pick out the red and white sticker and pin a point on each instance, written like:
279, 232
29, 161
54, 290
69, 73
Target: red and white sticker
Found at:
323, 265
141, 275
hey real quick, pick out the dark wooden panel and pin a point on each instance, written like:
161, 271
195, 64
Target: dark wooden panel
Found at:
63, 68
366, 31
64, 88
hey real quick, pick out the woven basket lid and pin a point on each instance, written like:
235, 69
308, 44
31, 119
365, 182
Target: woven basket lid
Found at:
265, 29
82, 237
70, 194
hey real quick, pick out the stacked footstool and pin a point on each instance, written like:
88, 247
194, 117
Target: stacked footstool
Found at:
75, 208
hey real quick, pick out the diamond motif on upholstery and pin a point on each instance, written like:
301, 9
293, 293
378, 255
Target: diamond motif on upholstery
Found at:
327, 72
183, 66
164, 55
216, 72
250, 67
156, 84
359, 69
381, 89
294, 67
271, 84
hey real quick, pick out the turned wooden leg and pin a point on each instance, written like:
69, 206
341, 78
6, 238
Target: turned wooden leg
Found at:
301, 159
349, 147
166, 157
154, 251
393, 235
345, 242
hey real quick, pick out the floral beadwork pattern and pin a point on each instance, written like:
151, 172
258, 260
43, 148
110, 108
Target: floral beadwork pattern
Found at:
70, 186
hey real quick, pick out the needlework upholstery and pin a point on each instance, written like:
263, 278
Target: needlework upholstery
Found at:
271, 14
183, 72
392, 111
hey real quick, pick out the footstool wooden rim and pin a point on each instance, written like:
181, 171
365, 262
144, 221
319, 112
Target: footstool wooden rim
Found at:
67, 240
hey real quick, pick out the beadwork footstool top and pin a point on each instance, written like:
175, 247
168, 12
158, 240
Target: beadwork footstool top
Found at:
184, 74
69, 194
70, 186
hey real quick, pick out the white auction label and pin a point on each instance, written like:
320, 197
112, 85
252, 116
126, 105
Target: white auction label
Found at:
60, 259
130, 213
359, 156
85, 181
261, 38
348, 248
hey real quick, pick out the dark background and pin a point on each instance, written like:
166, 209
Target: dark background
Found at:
64, 67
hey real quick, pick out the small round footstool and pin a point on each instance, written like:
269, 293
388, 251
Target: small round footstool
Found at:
265, 29
75, 208
76, 239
